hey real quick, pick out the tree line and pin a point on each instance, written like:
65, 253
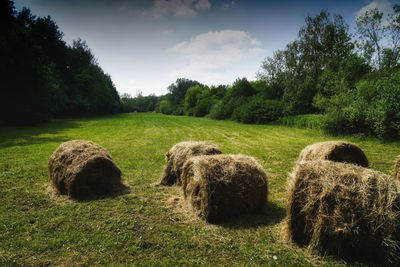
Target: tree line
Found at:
353, 80
42, 77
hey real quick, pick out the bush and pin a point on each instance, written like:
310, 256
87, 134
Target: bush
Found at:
236, 96
178, 110
373, 108
311, 121
258, 110
203, 106
165, 107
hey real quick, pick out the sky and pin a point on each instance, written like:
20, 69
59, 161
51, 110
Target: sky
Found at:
145, 45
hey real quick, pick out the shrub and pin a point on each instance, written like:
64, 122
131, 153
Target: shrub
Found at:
373, 108
258, 110
165, 107
311, 121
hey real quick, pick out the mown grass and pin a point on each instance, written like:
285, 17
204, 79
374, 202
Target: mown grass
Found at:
143, 227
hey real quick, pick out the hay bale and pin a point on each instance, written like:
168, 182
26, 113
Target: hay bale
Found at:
339, 151
178, 154
82, 169
396, 173
222, 186
344, 210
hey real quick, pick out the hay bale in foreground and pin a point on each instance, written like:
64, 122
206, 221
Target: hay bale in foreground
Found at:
178, 154
223, 186
82, 169
339, 151
344, 210
396, 173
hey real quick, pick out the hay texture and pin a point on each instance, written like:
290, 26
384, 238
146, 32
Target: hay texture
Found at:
82, 169
343, 210
222, 186
178, 154
396, 173
339, 151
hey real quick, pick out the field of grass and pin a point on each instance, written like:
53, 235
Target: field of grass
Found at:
149, 226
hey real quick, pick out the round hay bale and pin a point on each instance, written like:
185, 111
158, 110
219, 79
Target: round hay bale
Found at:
82, 169
344, 210
222, 186
339, 151
178, 154
396, 173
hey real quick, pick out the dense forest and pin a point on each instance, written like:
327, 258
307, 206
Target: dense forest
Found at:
353, 80
43, 77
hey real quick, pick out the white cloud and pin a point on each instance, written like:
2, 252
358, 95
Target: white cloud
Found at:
178, 8
210, 55
203, 4
381, 5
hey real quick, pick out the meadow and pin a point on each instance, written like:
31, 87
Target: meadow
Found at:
150, 225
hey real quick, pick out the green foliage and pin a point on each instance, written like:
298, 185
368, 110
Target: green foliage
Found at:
309, 121
199, 99
373, 108
191, 99
139, 103
42, 77
165, 107
338, 82
258, 110
293, 73
177, 92
235, 96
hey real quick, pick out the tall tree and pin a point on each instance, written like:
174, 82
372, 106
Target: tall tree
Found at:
371, 32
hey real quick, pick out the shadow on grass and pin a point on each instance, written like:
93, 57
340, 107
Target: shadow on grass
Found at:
122, 189
23, 136
272, 214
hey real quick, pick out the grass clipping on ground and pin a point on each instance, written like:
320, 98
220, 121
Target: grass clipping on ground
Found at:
339, 151
178, 154
344, 210
222, 186
82, 169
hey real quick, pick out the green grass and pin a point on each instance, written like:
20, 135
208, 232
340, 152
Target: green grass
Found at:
141, 228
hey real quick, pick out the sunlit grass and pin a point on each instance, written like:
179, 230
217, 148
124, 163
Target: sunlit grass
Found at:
37, 228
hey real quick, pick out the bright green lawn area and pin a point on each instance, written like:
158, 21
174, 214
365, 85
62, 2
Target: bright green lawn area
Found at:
145, 227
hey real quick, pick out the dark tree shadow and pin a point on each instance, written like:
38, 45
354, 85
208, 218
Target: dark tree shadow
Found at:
22, 136
271, 214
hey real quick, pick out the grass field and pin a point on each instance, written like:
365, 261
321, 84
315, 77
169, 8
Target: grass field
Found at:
149, 226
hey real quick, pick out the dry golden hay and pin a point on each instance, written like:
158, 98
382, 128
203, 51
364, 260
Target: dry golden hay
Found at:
178, 154
343, 210
397, 169
339, 151
222, 186
82, 169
